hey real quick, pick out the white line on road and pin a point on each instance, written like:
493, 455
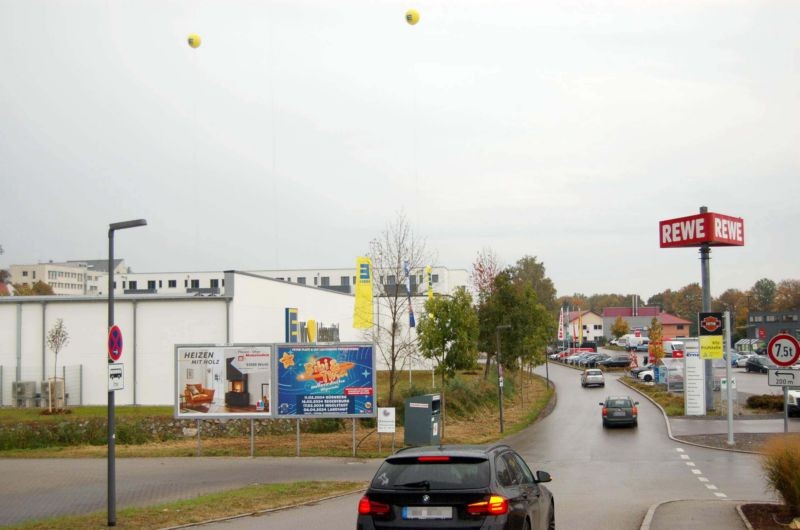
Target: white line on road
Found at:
702, 479
685, 457
679, 449
720, 495
711, 486
690, 464
697, 472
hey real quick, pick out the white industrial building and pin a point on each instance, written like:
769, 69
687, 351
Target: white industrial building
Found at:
248, 308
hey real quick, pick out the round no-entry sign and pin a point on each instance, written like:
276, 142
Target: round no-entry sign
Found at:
783, 350
114, 343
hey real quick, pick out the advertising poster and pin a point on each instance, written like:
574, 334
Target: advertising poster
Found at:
336, 380
694, 375
223, 381
710, 327
386, 420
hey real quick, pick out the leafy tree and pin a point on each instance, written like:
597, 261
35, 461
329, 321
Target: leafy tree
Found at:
528, 269
688, 301
620, 328
598, 302
734, 301
573, 301
37, 289
515, 304
449, 335
762, 294
787, 296
395, 246
665, 300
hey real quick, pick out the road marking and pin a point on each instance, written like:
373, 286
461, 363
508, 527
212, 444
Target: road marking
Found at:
697, 472
679, 449
720, 495
690, 464
711, 486
702, 479
685, 457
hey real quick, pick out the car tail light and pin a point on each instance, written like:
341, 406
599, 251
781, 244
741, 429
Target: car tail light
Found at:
366, 506
433, 459
605, 411
635, 411
496, 505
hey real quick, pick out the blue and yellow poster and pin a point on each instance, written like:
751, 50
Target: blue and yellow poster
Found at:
332, 380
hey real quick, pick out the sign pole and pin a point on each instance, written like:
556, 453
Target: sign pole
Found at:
705, 276
111, 434
728, 375
785, 409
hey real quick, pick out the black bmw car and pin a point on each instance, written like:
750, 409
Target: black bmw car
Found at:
457, 486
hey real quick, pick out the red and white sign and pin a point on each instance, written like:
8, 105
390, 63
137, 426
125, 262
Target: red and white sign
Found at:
694, 230
637, 332
114, 343
762, 333
783, 350
711, 324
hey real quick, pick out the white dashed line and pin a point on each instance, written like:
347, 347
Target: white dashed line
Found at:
697, 472
690, 464
711, 486
702, 479
720, 495
679, 449
685, 457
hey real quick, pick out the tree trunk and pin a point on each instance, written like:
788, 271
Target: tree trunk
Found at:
486, 367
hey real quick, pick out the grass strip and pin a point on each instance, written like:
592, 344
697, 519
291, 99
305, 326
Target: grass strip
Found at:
247, 500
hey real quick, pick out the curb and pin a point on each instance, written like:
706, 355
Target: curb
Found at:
648, 518
262, 512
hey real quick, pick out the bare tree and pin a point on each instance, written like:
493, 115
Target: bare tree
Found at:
393, 252
57, 339
484, 270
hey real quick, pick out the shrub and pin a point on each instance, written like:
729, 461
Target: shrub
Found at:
766, 402
781, 464
323, 425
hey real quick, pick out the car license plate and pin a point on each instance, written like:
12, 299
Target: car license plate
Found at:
618, 413
427, 512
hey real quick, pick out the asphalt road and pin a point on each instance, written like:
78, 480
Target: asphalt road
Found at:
602, 478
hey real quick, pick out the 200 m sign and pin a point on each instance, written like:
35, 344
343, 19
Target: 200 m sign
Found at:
783, 350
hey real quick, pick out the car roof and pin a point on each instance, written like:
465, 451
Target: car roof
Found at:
449, 450
618, 397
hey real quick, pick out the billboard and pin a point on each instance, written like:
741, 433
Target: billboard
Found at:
213, 381
334, 380
694, 230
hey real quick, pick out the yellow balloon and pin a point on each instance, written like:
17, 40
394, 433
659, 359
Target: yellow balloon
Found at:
412, 16
194, 40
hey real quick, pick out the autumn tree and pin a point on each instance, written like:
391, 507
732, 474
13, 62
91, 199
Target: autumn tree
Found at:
394, 249
39, 288
656, 347
735, 302
620, 328
449, 335
787, 296
665, 300
688, 301
484, 270
529, 270
57, 339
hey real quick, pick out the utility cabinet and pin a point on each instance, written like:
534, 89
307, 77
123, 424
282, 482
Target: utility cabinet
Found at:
423, 420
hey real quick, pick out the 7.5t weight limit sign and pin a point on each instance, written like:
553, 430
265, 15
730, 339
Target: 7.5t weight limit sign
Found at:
783, 350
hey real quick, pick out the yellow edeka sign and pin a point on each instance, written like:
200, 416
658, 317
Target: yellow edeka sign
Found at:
711, 347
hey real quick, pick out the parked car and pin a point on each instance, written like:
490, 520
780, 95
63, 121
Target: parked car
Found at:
673, 348
793, 402
636, 371
759, 363
647, 375
620, 410
592, 377
596, 358
615, 362
454, 486
643, 348
587, 361
741, 362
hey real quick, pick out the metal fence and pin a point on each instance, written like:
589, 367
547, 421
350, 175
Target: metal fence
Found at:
30, 390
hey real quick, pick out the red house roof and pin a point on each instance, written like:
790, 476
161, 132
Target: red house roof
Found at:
573, 315
646, 311
668, 319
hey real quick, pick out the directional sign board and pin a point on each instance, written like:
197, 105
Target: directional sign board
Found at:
783, 377
783, 350
116, 377
114, 344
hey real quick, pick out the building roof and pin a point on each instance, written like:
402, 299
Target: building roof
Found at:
574, 315
97, 265
645, 311
668, 319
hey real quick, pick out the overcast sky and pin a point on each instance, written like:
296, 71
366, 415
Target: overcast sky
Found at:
297, 130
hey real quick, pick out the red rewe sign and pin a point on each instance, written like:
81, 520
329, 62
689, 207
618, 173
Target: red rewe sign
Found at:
711, 324
694, 230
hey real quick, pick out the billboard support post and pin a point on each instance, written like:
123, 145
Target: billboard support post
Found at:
729, 376
252, 438
705, 277
354, 437
297, 436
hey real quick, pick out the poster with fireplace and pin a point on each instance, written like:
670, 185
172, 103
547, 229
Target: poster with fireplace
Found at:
334, 380
224, 381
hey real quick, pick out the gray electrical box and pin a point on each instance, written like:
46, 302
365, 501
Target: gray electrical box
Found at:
423, 420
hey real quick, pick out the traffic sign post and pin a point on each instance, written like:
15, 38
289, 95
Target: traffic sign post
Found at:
114, 344
116, 377
783, 350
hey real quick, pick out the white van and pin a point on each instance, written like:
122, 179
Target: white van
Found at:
673, 348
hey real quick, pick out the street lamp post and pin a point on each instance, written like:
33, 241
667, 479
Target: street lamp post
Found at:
500, 371
112, 495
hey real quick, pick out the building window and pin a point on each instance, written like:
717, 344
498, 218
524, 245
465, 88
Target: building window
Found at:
758, 319
195, 284
598, 326
390, 280
301, 280
124, 284
771, 318
345, 280
151, 284
215, 283
325, 281
679, 326
172, 283
34, 275
316, 280
435, 278
115, 285
132, 285
354, 280
24, 273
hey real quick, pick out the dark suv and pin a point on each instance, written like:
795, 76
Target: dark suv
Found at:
457, 486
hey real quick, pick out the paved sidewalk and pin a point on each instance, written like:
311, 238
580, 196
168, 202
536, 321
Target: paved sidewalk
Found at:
691, 426
691, 515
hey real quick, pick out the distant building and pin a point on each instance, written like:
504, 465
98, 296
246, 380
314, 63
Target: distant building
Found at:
68, 278
590, 322
766, 324
642, 317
